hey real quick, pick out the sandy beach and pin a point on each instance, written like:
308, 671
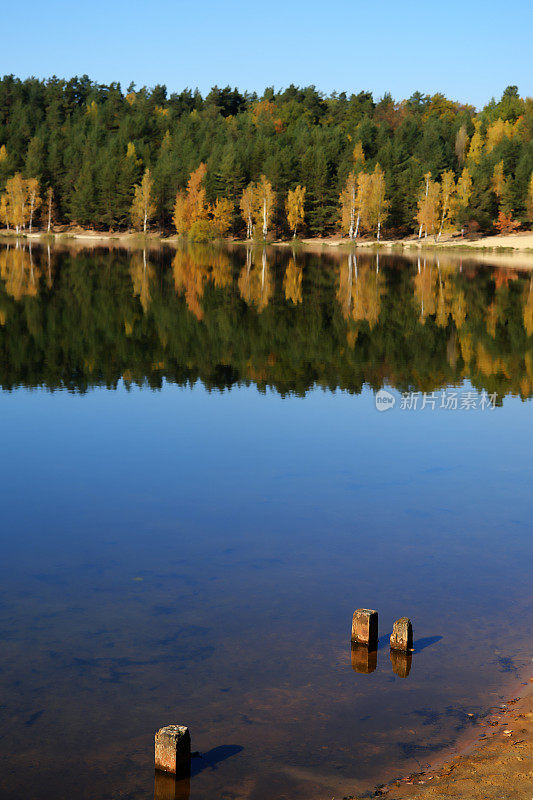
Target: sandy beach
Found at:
495, 762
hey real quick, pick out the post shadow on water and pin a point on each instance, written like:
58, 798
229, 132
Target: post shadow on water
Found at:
418, 645
178, 787
427, 641
214, 757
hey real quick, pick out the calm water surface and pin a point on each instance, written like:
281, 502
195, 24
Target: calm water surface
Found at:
198, 490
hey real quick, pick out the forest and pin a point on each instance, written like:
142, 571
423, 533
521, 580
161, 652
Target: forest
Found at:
287, 163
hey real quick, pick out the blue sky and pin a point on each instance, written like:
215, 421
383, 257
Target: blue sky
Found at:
470, 50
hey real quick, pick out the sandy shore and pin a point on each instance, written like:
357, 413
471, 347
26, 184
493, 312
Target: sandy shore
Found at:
496, 764
519, 242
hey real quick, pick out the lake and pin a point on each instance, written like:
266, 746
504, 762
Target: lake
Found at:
211, 457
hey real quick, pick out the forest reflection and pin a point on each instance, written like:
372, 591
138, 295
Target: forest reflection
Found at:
280, 318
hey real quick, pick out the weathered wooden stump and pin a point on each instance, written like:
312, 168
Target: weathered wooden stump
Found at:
364, 660
401, 663
365, 627
402, 635
173, 750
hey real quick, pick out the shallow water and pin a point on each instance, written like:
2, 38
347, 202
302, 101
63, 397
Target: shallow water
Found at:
191, 516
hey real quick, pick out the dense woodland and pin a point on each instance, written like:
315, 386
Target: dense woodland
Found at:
289, 321
79, 153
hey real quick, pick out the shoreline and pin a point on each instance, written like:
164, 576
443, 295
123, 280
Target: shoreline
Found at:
502, 243
514, 251
491, 761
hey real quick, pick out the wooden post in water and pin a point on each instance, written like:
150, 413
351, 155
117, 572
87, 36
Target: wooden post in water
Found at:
173, 750
365, 627
402, 635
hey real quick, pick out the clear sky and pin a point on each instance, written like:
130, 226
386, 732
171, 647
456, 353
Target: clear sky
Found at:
468, 49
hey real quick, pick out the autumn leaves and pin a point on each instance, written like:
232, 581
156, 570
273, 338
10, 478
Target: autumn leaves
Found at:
20, 201
200, 220
441, 205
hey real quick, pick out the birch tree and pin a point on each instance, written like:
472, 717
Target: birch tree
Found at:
143, 206
428, 207
447, 192
246, 205
348, 205
378, 205
294, 206
34, 200
462, 196
361, 200
352, 194
4, 210
17, 201
49, 205
265, 200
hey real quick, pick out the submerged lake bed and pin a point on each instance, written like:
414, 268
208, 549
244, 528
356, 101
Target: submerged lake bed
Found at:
199, 489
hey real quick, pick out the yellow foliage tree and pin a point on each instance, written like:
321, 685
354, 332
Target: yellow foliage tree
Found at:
378, 205
222, 215
462, 195
348, 205
34, 200
428, 206
499, 181
461, 141
4, 210
196, 198
17, 201
190, 206
294, 206
498, 131
447, 192
143, 207
476, 144
265, 200
180, 217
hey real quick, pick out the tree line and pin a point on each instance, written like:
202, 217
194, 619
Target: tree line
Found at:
284, 163
284, 320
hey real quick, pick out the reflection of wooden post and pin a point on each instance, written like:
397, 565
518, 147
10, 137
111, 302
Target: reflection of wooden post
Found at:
364, 660
168, 787
365, 627
401, 663
173, 750
402, 635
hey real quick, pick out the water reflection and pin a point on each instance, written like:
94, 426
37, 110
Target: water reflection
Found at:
200, 312
401, 663
169, 787
364, 660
